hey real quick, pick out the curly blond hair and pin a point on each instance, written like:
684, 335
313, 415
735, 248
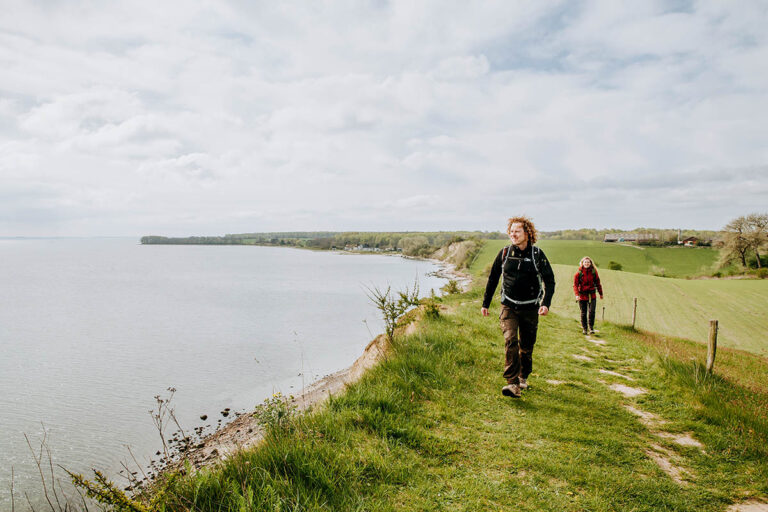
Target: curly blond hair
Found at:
528, 227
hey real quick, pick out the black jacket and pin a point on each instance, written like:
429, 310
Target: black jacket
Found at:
520, 280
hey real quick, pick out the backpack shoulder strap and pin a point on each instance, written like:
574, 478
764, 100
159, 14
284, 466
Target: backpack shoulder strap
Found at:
536, 254
504, 253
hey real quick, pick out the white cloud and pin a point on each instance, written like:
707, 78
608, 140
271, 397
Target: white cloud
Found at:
187, 118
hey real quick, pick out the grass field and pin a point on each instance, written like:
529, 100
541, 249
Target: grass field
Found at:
674, 307
428, 430
667, 261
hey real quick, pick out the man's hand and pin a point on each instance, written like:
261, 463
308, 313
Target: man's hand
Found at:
484, 311
543, 310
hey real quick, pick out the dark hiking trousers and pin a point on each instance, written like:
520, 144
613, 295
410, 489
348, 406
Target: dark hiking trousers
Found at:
519, 328
587, 308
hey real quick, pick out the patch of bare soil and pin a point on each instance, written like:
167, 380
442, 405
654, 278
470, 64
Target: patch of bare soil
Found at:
555, 382
749, 506
648, 419
681, 439
581, 357
596, 341
410, 328
628, 391
615, 374
654, 423
665, 460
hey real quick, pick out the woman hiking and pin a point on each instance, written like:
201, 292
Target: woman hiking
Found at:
527, 286
585, 282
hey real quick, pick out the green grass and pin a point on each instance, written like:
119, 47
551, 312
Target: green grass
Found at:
674, 307
667, 261
428, 429
678, 307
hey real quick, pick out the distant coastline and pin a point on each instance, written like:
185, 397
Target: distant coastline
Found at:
414, 244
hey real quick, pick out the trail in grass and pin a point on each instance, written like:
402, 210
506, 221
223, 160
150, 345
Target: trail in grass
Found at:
601, 428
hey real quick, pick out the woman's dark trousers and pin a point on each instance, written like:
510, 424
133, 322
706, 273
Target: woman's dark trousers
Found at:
519, 327
587, 308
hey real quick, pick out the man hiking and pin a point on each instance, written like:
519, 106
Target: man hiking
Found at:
527, 286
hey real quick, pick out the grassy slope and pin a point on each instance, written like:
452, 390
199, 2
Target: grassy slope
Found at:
428, 430
674, 261
675, 307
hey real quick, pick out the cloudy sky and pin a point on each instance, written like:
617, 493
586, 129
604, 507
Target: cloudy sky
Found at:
182, 118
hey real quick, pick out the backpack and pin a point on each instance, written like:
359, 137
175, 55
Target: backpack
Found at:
535, 252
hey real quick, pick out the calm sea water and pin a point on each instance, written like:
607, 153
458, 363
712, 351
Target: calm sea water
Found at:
91, 330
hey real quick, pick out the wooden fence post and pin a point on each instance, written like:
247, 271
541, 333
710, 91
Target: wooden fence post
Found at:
712, 345
634, 311
603, 313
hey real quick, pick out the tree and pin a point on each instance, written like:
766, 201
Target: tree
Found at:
736, 241
757, 235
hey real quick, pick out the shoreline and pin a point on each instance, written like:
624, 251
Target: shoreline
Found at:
244, 431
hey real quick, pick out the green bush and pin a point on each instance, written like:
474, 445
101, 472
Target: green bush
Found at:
451, 287
431, 309
276, 413
614, 265
762, 273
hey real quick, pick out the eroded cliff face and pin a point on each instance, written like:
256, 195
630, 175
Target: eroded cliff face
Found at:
458, 254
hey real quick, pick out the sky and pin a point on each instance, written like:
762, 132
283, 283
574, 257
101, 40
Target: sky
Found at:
186, 117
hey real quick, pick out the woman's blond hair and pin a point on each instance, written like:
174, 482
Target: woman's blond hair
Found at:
528, 227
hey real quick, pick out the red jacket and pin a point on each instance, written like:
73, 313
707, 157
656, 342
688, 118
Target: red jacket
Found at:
585, 282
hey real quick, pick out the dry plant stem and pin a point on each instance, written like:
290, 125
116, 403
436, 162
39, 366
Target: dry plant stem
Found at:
159, 418
187, 439
31, 507
53, 479
13, 503
132, 480
38, 460
82, 498
137, 462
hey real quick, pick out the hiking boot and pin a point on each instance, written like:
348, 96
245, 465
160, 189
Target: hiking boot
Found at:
591, 331
584, 331
511, 390
523, 383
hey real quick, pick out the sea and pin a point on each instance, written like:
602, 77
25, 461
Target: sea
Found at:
95, 334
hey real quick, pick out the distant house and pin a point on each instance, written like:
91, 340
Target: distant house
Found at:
630, 237
690, 241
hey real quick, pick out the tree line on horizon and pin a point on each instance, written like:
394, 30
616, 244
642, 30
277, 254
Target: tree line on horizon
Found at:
410, 243
663, 236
